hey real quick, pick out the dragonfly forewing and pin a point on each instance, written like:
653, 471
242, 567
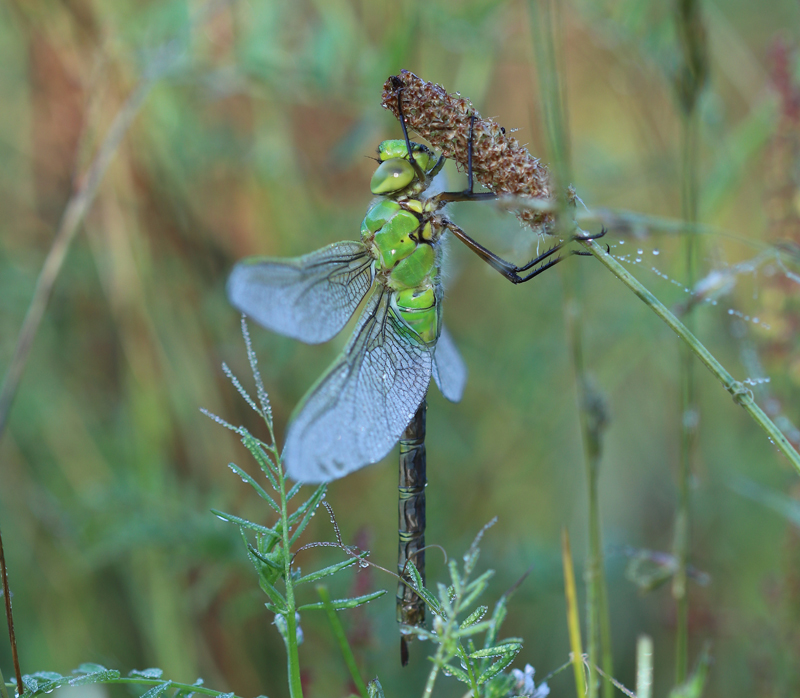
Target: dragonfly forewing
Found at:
355, 413
309, 298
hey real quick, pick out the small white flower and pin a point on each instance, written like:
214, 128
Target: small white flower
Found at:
525, 685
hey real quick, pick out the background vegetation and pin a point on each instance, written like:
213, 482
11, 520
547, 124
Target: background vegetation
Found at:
255, 138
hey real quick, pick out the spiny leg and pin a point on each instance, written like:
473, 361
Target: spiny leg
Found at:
468, 194
510, 271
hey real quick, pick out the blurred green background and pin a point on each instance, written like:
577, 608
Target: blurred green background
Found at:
255, 139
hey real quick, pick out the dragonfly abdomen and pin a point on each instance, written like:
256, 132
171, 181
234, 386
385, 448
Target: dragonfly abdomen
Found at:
420, 310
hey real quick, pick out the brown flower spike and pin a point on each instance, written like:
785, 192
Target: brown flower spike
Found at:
499, 162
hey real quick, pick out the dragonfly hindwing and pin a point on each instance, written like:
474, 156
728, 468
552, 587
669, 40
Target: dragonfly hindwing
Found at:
357, 411
449, 369
309, 298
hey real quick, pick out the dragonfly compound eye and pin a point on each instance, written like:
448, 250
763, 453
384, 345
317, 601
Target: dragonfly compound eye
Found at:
392, 175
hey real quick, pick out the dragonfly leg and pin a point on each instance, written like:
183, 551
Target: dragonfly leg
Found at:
516, 274
417, 169
468, 194
590, 236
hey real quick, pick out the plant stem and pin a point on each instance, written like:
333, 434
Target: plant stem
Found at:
546, 27
10, 618
341, 640
689, 409
573, 620
741, 394
292, 654
689, 82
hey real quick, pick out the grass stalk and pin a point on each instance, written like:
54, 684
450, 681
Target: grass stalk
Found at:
12, 639
644, 667
341, 640
74, 213
688, 86
573, 618
591, 412
689, 409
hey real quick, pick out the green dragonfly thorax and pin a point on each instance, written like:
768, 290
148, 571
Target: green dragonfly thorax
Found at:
400, 232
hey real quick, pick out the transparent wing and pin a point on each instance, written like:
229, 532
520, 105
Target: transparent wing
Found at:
309, 298
357, 411
449, 369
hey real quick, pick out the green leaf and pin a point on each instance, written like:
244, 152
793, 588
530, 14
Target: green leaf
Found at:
256, 449
274, 595
263, 399
445, 597
157, 691
341, 640
501, 686
306, 511
475, 616
295, 489
354, 602
453, 569
511, 645
184, 693
46, 676
419, 587
476, 588
497, 667
471, 556
332, 569
94, 677
498, 616
694, 685
268, 559
240, 388
458, 672
474, 629
43, 681
89, 668
147, 673
244, 523
258, 488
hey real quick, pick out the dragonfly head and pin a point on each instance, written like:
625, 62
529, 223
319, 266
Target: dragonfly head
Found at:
395, 172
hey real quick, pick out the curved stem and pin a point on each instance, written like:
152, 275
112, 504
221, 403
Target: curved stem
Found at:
740, 393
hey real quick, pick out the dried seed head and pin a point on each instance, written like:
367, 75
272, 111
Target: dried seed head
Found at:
499, 162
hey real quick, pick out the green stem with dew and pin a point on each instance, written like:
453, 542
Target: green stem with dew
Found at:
292, 654
740, 393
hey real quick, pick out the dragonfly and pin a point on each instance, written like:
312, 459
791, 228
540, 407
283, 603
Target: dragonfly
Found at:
373, 394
